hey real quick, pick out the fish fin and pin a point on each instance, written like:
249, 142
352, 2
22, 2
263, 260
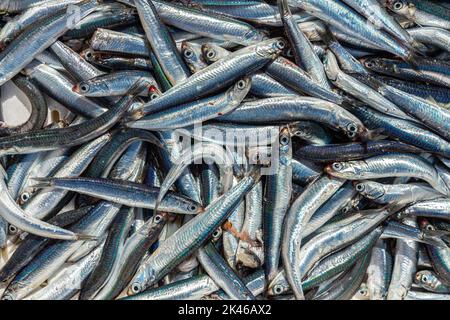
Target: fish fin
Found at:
374, 83
138, 86
414, 61
5, 256
3, 173
394, 207
327, 36
437, 233
419, 47
42, 182
434, 237
81, 236
432, 100
375, 134
283, 8
135, 115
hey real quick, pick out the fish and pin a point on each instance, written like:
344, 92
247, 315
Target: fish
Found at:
224, 150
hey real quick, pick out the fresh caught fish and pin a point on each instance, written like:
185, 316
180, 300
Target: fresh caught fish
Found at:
37, 39
224, 150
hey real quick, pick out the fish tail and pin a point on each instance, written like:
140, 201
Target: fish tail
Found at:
414, 60
42, 183
435, 237
135, 115
81, 236
375, 134
419, 47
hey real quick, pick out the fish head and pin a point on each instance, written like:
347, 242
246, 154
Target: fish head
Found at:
240, 90
400, 7
88, 55
143, 279
427, 279
254, 36
278, 286
16, 291
379, 65
270, 48
346, 170
353, 127
331, 66
193, 56
6, 35
82, 88
212, 52
370, 189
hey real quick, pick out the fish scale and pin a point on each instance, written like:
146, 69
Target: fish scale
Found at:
225, 150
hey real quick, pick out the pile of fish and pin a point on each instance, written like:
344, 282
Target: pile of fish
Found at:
233, 149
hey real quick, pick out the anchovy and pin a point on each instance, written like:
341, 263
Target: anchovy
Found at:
341, 16
165, 258
353, 151
290, 109
30, 16
195, 112
126, 193
379, 270
39, 109
296, 219
405, 264
396, 193
417, 15
225, 71
161, 43
117, 84
37, 39
393, 165
302, 49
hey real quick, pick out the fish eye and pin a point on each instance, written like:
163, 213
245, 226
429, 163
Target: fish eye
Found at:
352, 127
284, 140
280, 44
277, 289
193, 208
397, 5
136, 287
24, 197
360, 187
337, 166
351, 135
157, 218
370, 64
363, 292
153, 96
188, 53
216, 233
429, 227
241, 84
7, 41
345, 210
12, 229
88, 55
424, 278
84, 87
210, 54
